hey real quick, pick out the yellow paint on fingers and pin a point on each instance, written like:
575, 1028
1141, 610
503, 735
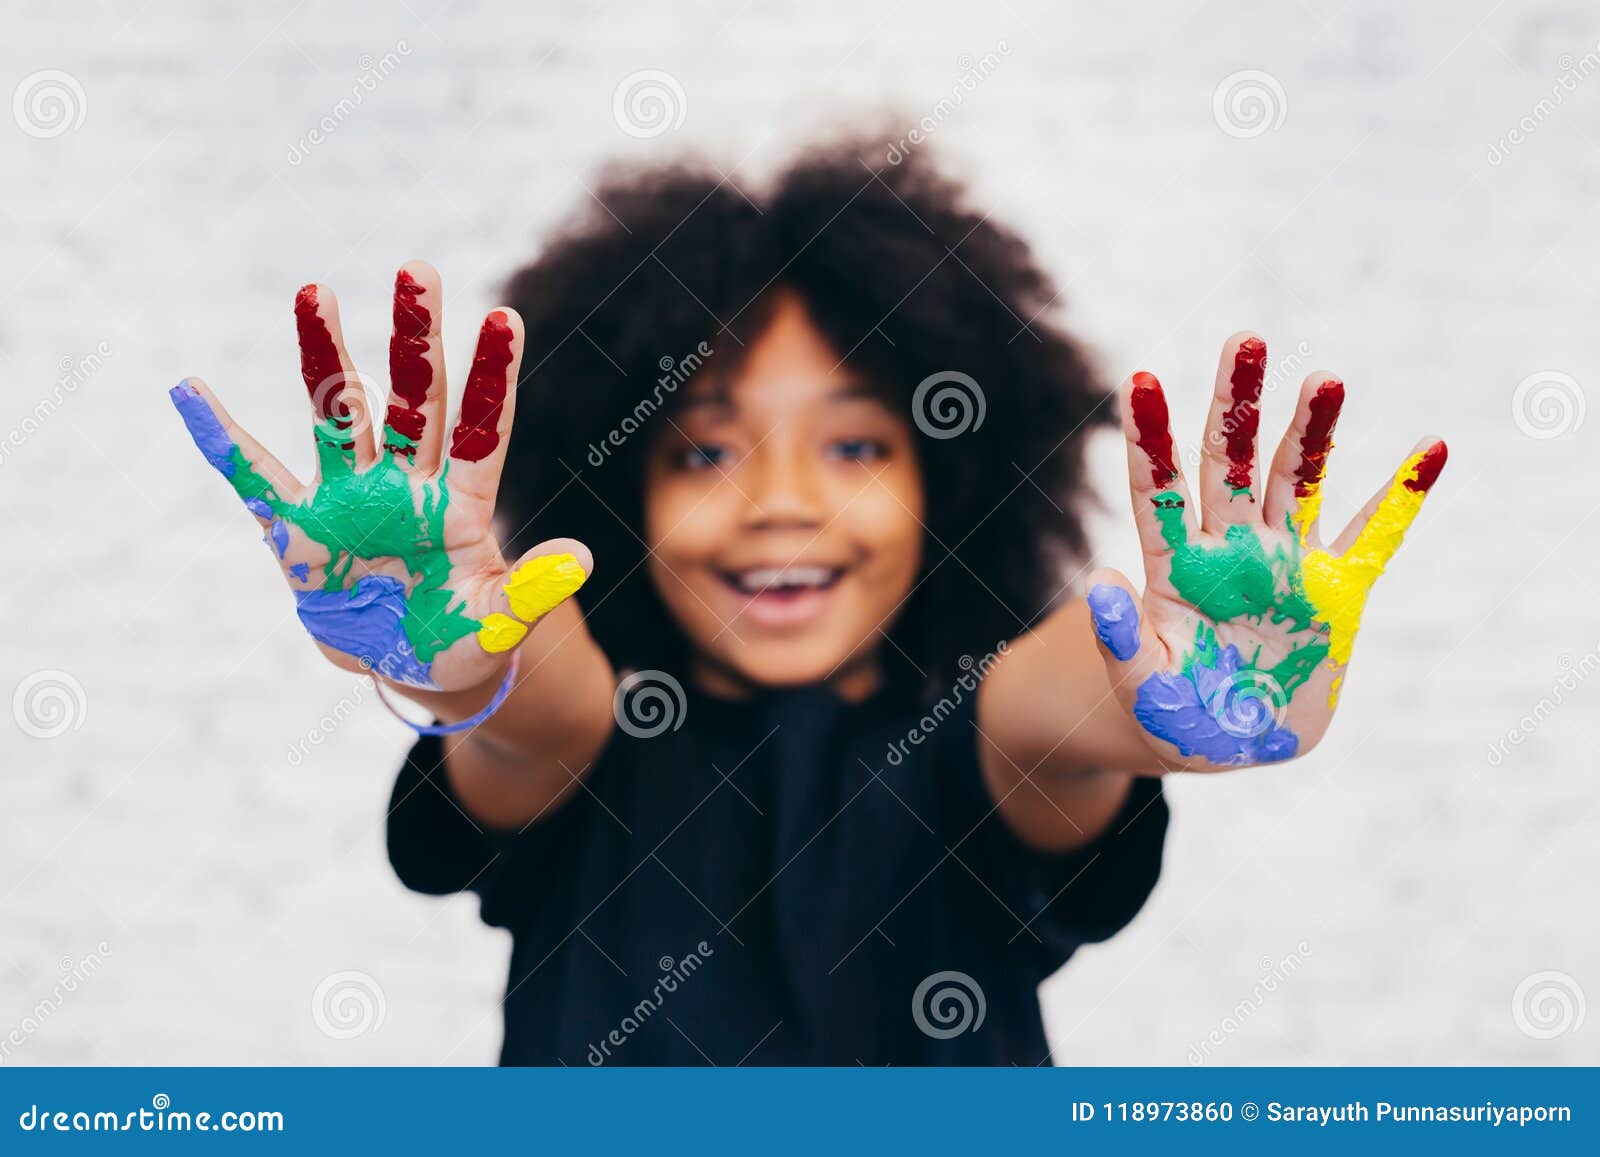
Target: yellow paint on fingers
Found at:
1338, 587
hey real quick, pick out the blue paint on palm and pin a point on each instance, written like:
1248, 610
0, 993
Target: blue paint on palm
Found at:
1116, 620
1210, 710
364, 621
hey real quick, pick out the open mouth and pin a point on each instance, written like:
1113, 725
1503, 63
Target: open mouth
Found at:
782, 580
782, 596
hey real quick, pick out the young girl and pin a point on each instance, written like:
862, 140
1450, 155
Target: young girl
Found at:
822, 765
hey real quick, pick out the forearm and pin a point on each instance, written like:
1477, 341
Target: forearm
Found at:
1051, 702
1059, 751
531, 754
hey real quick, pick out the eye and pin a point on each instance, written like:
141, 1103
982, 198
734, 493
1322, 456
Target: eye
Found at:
859, 449
701, 456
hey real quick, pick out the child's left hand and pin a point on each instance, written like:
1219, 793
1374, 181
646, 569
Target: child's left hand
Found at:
1237, 651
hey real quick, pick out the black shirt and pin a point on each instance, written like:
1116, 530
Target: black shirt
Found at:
785, 880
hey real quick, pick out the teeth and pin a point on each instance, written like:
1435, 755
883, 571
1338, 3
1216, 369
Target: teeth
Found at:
769, 577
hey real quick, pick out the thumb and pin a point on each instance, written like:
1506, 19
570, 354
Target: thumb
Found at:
1128, 643
541, 580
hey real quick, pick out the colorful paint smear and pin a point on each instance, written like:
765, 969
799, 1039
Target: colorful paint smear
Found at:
410, 372
1339, 586
319, 359
478, 431
1317, 441
1116, 620
1149, 406
383, 512
1209, 709
1314, 596
1242, 421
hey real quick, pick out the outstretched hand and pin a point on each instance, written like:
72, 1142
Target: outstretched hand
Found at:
389, 550
1236, 651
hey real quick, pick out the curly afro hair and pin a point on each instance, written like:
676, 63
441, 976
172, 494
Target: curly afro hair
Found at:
907, 281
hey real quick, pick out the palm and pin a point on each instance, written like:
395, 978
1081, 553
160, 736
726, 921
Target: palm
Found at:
389, 553
1247, 622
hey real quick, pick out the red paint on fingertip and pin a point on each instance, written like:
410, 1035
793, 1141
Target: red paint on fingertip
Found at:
1317, 442
1428, 468
477, 434
1149, 406
320, 367
410, 374
1243, 419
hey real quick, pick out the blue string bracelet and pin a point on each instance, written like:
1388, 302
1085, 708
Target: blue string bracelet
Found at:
493, 705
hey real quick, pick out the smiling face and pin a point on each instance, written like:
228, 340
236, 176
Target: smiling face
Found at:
783, 510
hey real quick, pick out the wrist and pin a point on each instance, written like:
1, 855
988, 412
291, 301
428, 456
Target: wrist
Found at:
455, 711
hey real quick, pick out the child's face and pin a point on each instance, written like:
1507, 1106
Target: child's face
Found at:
783, 510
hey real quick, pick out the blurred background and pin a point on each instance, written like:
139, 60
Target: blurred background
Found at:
192, 866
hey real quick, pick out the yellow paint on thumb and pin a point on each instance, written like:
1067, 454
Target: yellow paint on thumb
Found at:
500, 633
541, 584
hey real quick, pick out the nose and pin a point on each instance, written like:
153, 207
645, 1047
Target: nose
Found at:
783, 488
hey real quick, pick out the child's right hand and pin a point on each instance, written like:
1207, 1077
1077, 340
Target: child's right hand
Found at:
391, 555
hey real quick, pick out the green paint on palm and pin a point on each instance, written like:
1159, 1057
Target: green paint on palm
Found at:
373, 514
1238, 579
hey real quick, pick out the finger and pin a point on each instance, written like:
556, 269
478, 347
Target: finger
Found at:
1128, 643
542, 580
478, 443
261, 481
1338, 582
1161, 506
414, 422
1377, 531
1294, 488
338, 403
1228, 483
267, 489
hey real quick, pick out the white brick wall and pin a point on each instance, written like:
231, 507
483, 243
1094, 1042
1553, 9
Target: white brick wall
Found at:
227, 882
